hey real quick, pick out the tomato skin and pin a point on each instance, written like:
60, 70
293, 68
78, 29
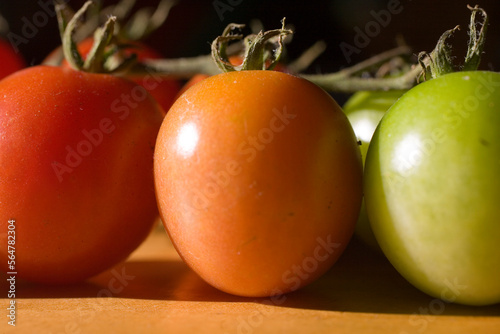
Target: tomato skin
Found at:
76, 163
258, 180
10, 60
432, 184
365, 109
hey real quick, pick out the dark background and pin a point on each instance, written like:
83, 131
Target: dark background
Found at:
192, 25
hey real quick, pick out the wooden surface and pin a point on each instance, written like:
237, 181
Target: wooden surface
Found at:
155, 292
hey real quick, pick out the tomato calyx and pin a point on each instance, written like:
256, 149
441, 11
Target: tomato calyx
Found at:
115, 36
129, 28
100, 58
440, 61
262, 50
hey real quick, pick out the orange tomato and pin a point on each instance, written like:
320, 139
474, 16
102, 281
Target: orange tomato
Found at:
258, 179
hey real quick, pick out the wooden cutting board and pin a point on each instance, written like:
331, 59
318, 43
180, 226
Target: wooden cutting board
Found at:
155, 292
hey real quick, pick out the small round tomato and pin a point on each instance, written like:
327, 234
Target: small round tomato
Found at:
10, 60
76, 171
259, 181
365, 109
432, 187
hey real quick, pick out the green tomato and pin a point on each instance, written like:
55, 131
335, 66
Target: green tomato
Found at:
365, 109
432, 187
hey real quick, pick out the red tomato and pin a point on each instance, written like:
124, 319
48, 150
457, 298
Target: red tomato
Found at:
163, 89
10, 60
76, 171
258, 181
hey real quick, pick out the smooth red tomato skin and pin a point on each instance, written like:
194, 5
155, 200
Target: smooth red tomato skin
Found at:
258, 181
76, 165
9, 59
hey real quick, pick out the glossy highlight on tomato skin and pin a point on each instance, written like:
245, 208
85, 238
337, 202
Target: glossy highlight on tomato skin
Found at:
76, 165
258, 181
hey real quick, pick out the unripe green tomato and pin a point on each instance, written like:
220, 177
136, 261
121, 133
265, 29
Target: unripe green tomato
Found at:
365, 109
432, 187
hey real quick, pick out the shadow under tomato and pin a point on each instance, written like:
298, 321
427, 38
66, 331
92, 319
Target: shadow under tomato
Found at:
364, 281
28, 290
160, 280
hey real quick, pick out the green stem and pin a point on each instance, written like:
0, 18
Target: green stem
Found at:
375, 60
346, 84
342, 81
345, 81
183, 68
